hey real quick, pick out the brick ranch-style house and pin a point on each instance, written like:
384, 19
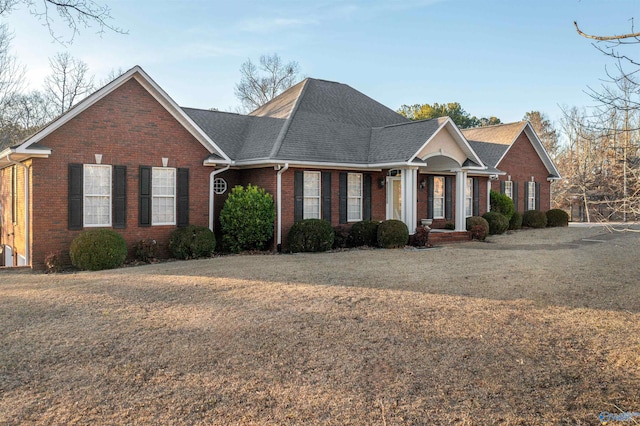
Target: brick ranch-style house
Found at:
129, 158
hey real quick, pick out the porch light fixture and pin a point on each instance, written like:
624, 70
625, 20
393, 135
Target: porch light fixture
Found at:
423, 183
381, 182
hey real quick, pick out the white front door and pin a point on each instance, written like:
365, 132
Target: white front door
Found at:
394, 197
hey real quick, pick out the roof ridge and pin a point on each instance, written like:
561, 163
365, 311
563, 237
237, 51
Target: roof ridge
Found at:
285, 127
495, 125
407, 122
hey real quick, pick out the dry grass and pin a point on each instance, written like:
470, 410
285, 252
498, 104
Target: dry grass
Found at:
538, 327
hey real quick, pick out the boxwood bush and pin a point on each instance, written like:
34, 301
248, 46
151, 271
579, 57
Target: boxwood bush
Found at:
247, 219
98, 249
498, 223
515, 222
557, 217
310, 235
478, 226
341, 237
501, 203
392, 234
534, 219
364, 233
192, 242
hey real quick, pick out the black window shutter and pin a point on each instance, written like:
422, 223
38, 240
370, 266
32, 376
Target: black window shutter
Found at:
502, 187
515, 194
326, 196
448, 199
183, 198
119, 196
298, 194
537, 195
366, 195
76, 175
526, 196
476, 197
144, 211
343, 198
430, 197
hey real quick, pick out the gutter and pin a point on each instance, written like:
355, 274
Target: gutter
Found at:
279, 206
212, 177
27, 254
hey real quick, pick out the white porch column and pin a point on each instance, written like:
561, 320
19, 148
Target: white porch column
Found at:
489, 195
461, 183
410, 198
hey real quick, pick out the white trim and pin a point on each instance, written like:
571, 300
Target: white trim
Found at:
310, 197
460, 216
323, 165
279, 205
84, 196
360, 197
457, 133
174, 196
212, 176
154, 90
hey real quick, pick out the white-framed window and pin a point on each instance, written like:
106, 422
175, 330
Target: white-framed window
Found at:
219, 186
163, 196
311, 195
531, 196
508, 188
96, 195
468, 198
354, 197
438, 197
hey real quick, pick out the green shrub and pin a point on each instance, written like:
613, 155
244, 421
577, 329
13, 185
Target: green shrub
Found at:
515, 222
421, 237
310, 235
341, 237
392, 234
498, 223
247, 218
98, 249
146, 250
557, 217
192, 242
364, 233
450, 226
478, 227
534, 219
501, 203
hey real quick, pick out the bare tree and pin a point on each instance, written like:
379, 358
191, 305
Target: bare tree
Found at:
545, 130
76, 14
68, 82
258, 85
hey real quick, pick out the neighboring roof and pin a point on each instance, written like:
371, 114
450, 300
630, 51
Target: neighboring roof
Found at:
503, 134
145, 81
493, 142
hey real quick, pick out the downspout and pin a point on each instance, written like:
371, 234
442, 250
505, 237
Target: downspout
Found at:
279, 207
27, 254
212, 177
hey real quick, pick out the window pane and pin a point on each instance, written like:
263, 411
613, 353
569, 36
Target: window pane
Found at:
354, 184
438, 186
311, 184
311, 208
354, 209
163, 204
438, 207
97, 195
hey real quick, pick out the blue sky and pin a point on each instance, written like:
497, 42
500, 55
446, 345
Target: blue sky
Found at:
494, 57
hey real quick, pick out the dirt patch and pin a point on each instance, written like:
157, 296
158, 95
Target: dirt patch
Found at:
474, 333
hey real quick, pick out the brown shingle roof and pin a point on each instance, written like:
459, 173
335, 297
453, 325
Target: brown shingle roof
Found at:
503, 134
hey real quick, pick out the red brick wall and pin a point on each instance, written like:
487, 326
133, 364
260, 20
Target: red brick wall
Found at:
128, 127
522, 162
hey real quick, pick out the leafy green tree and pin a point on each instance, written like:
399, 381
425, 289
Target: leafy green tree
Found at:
452, 109
247, 219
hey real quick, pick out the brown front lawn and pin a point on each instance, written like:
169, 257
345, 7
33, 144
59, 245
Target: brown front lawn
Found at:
537, 327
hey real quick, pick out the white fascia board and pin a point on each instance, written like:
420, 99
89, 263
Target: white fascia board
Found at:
174, 109
461, 140
21, 156
141, 77
542, 153
325, 165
